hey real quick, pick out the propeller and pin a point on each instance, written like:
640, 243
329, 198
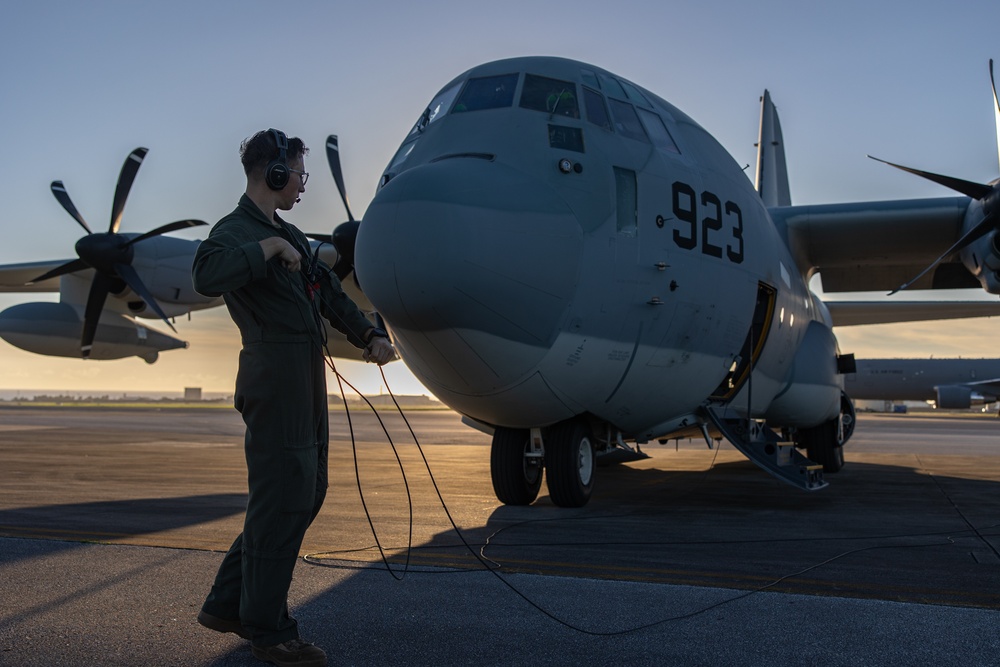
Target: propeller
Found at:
346, 233
987, 195
996, 108
333, 157
109, 253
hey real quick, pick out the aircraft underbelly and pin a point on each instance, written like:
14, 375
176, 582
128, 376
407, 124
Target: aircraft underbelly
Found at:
476, 310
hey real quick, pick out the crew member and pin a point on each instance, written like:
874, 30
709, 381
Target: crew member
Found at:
262, 267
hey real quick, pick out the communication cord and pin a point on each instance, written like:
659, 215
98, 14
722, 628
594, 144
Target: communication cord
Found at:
311, 279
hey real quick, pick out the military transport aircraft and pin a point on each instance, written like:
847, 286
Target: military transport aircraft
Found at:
147, 275
572, 262
953, 384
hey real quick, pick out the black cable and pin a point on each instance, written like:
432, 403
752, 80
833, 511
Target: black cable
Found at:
357, 472
494, 534
315, 295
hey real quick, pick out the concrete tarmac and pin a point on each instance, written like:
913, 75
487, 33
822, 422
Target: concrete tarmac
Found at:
111, 522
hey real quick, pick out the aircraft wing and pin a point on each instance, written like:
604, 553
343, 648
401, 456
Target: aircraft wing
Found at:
991, 387
877, 246
887, 311
14, 276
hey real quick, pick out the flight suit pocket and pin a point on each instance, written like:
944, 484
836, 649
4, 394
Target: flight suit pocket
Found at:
298, 478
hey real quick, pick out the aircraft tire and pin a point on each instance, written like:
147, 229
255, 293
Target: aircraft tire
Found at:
570, 463
516, 479
823, 445
848, 416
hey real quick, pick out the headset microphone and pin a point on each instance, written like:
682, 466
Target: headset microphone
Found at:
276, 172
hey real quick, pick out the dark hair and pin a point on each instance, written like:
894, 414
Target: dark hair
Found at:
261, 148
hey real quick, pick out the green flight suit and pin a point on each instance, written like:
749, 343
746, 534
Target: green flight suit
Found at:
281, 394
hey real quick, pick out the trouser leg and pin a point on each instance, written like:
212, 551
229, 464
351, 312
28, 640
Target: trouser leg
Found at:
286, 491
223, 600
264, 601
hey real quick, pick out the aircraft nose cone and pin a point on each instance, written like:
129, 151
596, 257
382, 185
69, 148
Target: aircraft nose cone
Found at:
473, 265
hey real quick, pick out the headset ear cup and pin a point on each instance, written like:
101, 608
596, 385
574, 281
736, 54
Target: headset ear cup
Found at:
276, 174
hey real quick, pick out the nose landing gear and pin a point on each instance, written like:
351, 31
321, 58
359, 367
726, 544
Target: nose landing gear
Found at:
569, 463
515, 466
517, 460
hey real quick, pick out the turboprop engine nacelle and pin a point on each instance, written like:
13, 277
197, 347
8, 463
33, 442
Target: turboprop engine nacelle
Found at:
982, 257
953, 397
55, 329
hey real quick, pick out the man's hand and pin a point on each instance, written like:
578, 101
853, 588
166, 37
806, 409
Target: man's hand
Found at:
275, 246
379, 351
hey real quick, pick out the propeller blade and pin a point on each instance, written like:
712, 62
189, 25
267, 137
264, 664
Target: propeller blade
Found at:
344, 238
68, 267
333, 157
95, 304
996, 106
130, 276
968, 188
125, 178
164, 229
974, 234
59, 190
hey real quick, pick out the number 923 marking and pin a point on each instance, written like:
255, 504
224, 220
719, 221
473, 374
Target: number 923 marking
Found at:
716, 216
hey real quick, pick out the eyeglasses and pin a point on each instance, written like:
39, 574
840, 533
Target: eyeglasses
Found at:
303, 175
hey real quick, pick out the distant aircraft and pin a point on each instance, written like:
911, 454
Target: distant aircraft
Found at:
147, 275
953, 384
570, 261
118, 277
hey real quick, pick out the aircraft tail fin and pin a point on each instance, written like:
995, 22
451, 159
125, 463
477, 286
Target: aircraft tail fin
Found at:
772, 173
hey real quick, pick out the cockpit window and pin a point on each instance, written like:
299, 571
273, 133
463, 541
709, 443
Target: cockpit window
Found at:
612, 88
489, 92
437, 108
658, 132
552, 96
590, 79
633, 94
401, 154
626, 122
597, 113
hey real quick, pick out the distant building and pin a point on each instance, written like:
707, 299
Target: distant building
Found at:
192, 393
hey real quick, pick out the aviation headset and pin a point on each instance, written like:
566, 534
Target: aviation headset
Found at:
276, 172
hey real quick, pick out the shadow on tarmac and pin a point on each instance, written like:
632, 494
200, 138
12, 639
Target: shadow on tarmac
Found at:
882, 533
108, 521
878, 531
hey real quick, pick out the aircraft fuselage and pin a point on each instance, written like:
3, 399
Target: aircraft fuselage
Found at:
951, 383
551, 241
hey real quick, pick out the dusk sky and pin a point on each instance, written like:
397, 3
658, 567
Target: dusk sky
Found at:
83, 83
